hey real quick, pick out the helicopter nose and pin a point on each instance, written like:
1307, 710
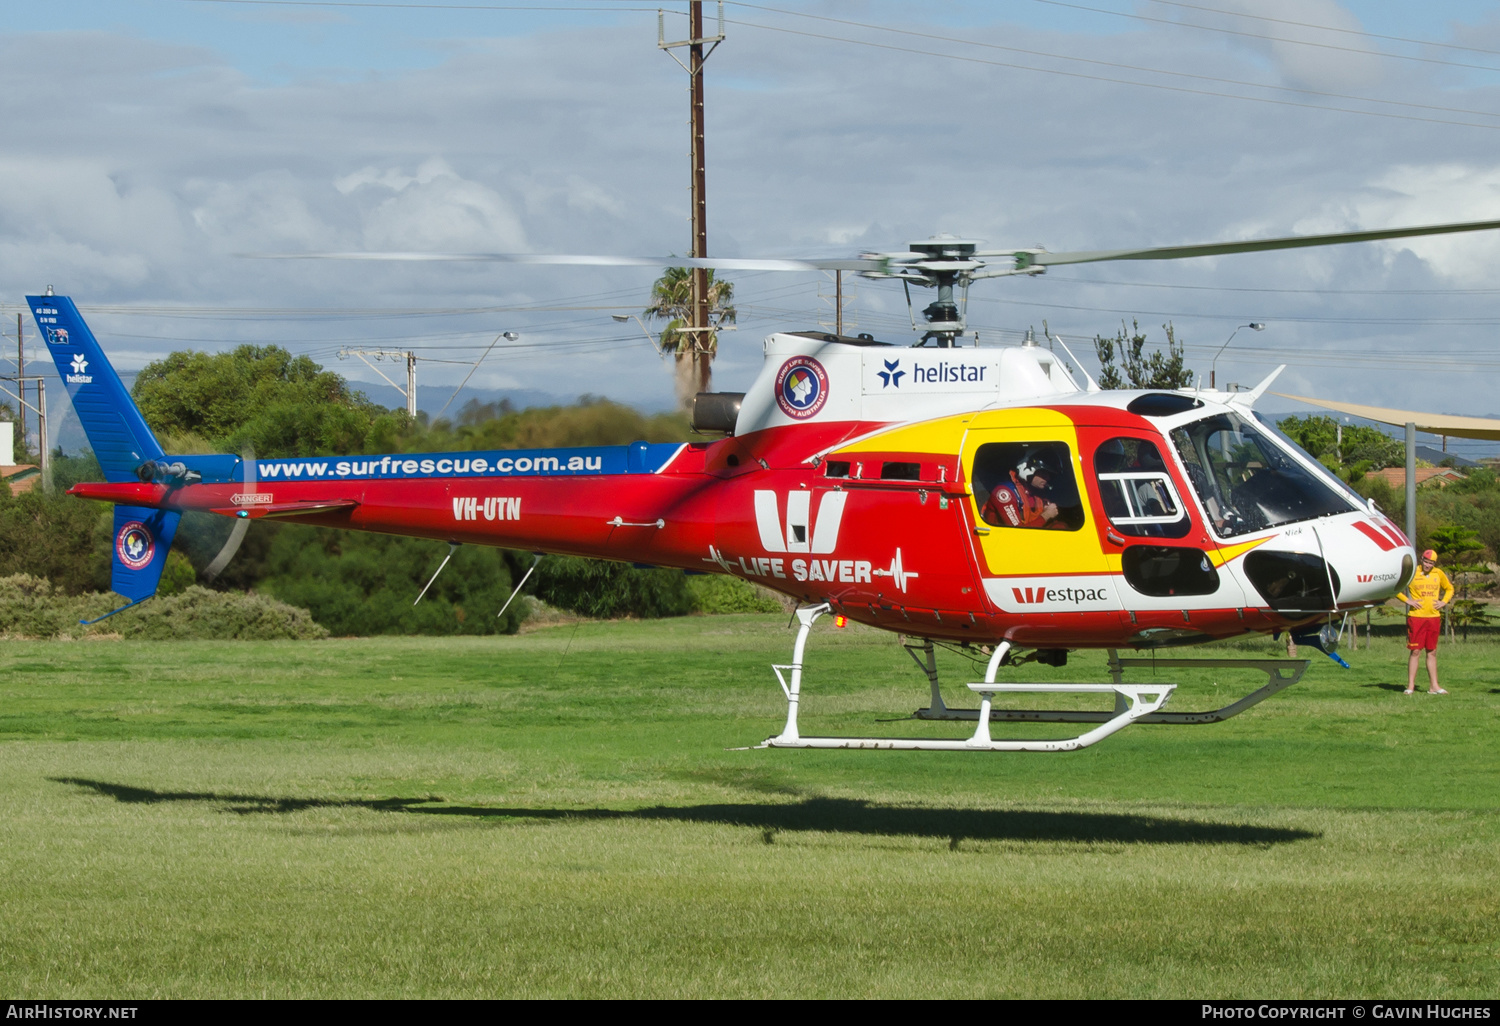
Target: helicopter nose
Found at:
1373, 558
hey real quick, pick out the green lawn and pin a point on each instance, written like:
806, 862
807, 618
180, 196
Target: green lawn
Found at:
562, 813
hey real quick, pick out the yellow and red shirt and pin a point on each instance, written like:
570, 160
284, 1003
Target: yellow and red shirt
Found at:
1427, 590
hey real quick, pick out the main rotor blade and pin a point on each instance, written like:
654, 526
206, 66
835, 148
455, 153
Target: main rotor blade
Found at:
1033, 258
595, 260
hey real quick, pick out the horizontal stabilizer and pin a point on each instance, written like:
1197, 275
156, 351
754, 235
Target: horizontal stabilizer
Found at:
279, 510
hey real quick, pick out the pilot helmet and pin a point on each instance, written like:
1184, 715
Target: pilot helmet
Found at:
1037, 462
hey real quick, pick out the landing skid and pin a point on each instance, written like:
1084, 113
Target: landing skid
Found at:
1280, 674
1133, 703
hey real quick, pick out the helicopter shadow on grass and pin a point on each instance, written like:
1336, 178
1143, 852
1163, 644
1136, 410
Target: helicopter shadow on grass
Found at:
824, 815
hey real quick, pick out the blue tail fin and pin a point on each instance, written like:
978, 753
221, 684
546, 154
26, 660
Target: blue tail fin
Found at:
120, 439
116, 430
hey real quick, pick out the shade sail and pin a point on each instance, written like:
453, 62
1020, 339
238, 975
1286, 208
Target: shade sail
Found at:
1432, 423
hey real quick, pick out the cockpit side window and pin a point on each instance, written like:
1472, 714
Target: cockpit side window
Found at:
1027, 484
1247, 481
1136, 490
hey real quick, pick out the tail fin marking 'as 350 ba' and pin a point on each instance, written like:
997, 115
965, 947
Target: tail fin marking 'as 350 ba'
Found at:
120, 439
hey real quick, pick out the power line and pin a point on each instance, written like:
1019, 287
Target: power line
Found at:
1325, 28
976, 60
1130, 82
1260, 35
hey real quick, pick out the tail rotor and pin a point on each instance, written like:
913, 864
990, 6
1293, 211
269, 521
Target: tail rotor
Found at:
241, 524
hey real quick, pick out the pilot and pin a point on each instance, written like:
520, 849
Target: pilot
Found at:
1025, 502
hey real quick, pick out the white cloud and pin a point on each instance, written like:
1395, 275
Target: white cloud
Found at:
265, 210
434, 210
1434, 194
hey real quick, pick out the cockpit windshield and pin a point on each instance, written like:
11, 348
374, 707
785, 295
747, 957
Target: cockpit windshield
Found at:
1247, 481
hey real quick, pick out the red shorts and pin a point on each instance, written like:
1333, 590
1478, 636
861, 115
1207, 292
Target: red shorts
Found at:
1422, 632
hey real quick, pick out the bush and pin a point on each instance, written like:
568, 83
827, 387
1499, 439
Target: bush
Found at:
32, 607
720, 593
56, 537
605, 589
356, 583
217, 615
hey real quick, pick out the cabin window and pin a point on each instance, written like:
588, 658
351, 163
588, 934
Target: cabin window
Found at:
836, 468
1136, 491
1027, 484
1163, 572
901, 472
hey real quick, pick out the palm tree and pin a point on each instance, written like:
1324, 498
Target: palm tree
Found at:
672, 301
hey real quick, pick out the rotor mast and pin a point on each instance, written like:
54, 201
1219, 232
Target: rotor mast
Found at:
944, 263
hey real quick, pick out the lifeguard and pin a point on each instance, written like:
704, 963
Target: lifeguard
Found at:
1429, 591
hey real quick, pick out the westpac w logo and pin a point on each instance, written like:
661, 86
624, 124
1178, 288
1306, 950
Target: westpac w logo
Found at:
803, 534
1030, 596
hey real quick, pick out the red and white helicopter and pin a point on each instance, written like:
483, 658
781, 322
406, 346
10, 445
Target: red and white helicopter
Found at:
975, 497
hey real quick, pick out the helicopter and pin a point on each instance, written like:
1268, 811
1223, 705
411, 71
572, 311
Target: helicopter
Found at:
979, 498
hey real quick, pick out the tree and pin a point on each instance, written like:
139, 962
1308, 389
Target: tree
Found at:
1361, 449
1137, 368
56, 536
1454, 545
693, 351
216, 395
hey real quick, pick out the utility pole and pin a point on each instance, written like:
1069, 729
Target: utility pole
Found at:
694, 67
841, 320
21, 377
411, 385
410, 391
41, 432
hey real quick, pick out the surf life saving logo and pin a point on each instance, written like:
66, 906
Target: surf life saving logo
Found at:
801, 387
135, 546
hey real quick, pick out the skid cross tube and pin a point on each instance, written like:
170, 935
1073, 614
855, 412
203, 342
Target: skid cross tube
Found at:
1133, 703
1280, 674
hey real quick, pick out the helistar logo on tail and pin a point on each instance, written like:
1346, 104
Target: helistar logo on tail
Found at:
79, 364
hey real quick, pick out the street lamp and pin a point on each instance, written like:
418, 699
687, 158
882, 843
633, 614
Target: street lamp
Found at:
622, 318
1253, 326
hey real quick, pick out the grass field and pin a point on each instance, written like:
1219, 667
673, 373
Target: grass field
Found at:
559, 814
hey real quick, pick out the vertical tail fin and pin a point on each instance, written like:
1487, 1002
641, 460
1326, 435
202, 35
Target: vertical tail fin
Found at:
116, 430
120, 439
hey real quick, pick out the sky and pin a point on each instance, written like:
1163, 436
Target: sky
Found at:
153, 143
